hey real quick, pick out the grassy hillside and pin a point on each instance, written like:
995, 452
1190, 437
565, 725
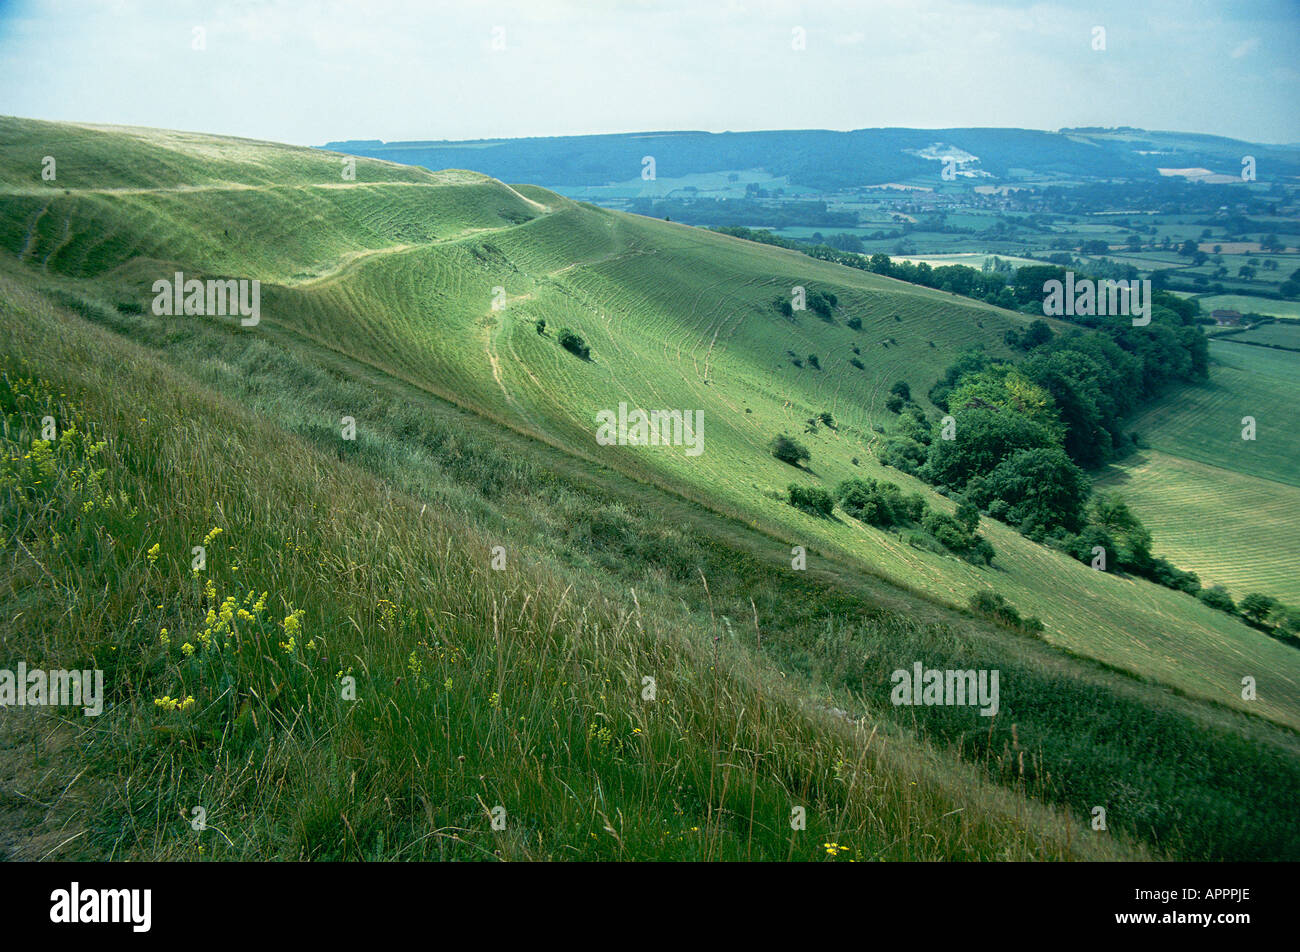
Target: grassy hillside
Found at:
474, 430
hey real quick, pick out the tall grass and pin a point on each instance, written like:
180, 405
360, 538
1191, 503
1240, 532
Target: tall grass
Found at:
475, 689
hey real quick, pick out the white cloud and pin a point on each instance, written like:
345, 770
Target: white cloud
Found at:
1244, 48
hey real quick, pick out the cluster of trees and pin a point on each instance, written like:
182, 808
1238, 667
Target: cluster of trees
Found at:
1264, 612
958, 279
900, 395
574, 344
821, 303
1018, 436
1290, 288
811, 499
882, 504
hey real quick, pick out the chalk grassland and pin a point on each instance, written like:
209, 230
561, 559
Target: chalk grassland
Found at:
402, 276
536, 670
475, 689
383, 310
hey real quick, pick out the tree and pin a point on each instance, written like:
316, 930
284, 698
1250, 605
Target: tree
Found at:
1132, 539
811, 499
968, 515
1038, 332
1072, 381
984, 438
1257, 607
1042, 486
1216, 596
541, 325
574, 344
789, 450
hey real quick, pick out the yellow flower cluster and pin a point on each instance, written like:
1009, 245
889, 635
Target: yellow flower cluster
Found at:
169, 703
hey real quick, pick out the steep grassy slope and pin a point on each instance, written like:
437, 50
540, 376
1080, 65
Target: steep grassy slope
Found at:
476, 690
400, 269
373, 321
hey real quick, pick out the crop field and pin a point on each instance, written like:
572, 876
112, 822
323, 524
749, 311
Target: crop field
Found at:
1272, 335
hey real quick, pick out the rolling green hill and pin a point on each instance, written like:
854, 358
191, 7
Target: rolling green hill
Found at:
377, 303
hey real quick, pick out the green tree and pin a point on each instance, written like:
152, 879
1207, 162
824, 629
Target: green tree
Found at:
1132, 539
789, 450
1216, 596
983, 439
1042, 486
1257, 607
811, 499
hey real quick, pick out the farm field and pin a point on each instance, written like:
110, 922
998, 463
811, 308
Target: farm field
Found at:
1273, 335
1248, 305
1204, 423
1232, 530
1224, 507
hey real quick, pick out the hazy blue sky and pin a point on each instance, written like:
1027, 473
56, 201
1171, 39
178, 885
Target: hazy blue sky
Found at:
308, 72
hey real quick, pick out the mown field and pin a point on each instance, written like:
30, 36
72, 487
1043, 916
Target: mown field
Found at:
1285, 335
1226, 508
474, 430
1232, 530
1204, 423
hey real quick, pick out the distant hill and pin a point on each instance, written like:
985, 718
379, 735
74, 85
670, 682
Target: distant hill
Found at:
825, 161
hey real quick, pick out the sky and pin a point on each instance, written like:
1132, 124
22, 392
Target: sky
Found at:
312, 71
